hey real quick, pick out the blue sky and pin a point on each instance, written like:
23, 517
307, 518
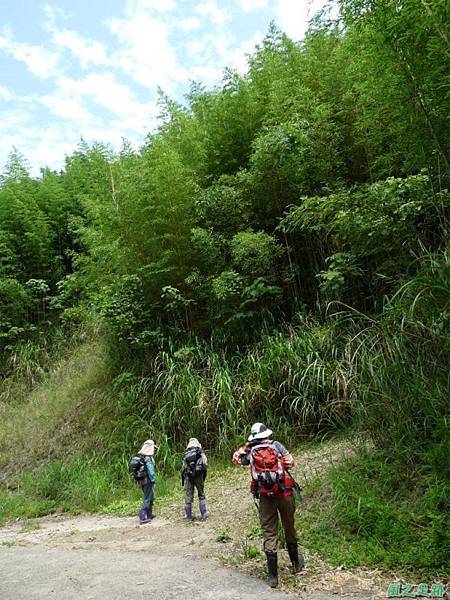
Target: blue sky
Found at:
92, 68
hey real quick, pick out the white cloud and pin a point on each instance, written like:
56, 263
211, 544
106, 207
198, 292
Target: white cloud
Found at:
39, 60
53, 13
145, 52
5, 94
237, 58
189, 24
209, 48
135, 126
210, 9
96, 107
207, 74
47, 145
102, 133
106, 91
66, 107
82, 102
210, 54
11, 120
293, 15
197, 47
161, 6
87, 51
48, 148
118, 99
250, 5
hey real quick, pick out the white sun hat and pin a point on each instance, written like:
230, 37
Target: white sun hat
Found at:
259, 432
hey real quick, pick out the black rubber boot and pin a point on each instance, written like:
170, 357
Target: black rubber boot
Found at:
298, 562
272, 569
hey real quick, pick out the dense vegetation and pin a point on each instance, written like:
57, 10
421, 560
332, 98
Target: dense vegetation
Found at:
277, 250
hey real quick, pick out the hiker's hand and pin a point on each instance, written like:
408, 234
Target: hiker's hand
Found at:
287, 461
239, 454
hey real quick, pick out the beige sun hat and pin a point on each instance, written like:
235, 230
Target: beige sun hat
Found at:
148, 448
193, 443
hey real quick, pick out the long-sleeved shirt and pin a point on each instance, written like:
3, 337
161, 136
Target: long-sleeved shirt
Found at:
150, 466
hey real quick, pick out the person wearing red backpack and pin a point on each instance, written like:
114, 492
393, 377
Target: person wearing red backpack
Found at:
272, 484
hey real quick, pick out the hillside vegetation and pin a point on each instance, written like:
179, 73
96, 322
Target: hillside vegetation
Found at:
277, 251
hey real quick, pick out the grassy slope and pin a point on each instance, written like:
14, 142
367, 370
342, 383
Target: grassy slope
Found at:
52, 439
64, 415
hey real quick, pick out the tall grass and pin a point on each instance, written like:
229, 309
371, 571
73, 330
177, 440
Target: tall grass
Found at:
293, 381
402, 365
391, 505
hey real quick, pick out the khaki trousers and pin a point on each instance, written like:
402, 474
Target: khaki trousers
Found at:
269, 507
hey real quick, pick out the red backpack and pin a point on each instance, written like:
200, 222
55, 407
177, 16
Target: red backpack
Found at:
269, 476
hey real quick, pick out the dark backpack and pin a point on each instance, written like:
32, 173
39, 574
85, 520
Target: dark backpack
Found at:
193, 462
138, 468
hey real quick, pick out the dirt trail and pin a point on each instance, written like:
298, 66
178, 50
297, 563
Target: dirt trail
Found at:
98, 557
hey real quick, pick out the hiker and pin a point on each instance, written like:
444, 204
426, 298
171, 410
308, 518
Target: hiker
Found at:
142, 467
193, 475
272, 484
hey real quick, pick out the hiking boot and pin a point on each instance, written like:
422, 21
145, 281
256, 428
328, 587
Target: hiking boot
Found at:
150, 513
188, 512
143, 516
203, 510
272, 569
298, 562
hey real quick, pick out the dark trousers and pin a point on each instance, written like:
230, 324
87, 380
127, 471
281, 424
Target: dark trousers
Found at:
190, 484
149, 493
269, 509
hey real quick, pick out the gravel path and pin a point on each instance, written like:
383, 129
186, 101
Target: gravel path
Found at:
34, 573
97, 557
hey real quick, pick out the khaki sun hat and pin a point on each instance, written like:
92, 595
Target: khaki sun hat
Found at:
148, 448
193, 443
